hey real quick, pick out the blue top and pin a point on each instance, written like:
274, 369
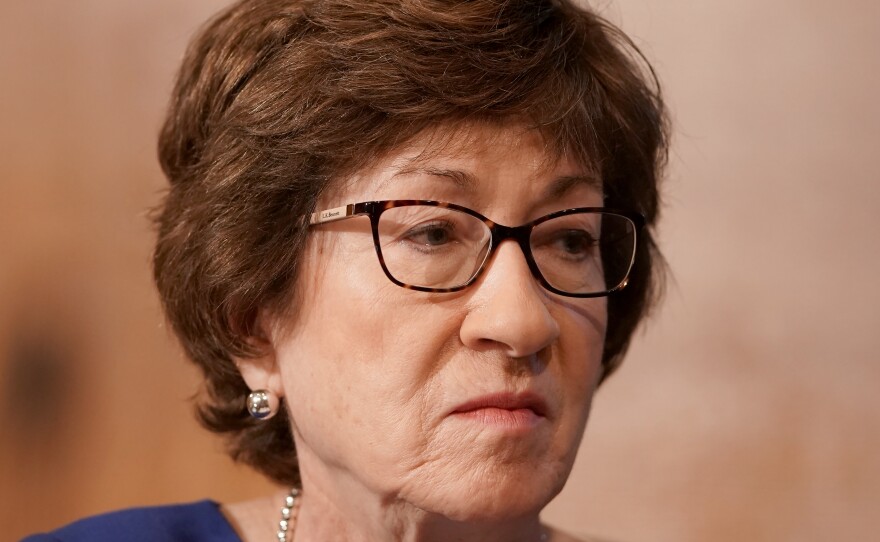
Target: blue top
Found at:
197, 522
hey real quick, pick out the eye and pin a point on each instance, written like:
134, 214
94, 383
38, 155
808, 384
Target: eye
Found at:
564, 244
433, 234
575, 242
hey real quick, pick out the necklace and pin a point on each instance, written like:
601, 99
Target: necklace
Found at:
289, 511
288, 515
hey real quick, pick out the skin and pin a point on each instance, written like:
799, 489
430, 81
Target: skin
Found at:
370, 371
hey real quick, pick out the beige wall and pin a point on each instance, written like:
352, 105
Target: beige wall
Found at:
748, 410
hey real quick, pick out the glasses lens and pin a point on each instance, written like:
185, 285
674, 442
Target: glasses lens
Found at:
584, 253
432, 247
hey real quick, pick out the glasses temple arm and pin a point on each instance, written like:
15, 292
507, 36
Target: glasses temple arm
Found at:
332, 215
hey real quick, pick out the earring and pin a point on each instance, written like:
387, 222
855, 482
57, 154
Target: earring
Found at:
262, 404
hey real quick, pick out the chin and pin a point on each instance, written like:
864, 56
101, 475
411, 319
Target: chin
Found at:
496, 509
491, 499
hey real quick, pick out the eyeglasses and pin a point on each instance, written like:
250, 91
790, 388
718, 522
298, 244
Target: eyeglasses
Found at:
432, 246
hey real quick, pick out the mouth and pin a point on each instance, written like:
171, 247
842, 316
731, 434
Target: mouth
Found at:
506, 410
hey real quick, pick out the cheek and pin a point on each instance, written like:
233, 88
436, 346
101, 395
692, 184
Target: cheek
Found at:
363, 357
581, 345
583, 325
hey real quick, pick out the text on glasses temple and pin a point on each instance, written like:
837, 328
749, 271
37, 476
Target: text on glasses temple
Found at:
331, 215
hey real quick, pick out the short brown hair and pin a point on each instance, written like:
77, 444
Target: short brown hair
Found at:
278, 98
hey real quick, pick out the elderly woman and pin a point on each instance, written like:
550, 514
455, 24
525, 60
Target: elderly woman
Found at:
405, 241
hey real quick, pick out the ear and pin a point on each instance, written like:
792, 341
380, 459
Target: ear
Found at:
262, 372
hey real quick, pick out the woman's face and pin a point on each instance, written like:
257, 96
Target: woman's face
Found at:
470, 404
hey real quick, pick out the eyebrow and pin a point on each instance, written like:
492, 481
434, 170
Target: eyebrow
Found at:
467, 181
562, 185
462, 179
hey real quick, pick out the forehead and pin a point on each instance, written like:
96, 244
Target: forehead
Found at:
473, 160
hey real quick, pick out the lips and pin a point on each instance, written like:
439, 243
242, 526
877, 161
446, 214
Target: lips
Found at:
510, 402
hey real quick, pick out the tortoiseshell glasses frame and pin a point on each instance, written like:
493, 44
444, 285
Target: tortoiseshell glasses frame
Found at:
498, 233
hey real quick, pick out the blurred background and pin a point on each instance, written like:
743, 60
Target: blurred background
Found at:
747, 410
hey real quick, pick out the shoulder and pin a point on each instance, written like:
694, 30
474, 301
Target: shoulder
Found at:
195, 522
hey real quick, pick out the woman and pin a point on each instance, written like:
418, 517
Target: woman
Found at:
405, 241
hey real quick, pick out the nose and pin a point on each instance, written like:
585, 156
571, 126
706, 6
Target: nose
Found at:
508, 309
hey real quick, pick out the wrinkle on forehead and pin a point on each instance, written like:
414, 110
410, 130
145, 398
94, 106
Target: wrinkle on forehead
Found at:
435, 150
464, 141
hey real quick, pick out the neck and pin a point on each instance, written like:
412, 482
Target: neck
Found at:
336, 507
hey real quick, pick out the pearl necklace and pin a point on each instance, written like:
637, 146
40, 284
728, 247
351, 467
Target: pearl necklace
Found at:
290, 510
288, 515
